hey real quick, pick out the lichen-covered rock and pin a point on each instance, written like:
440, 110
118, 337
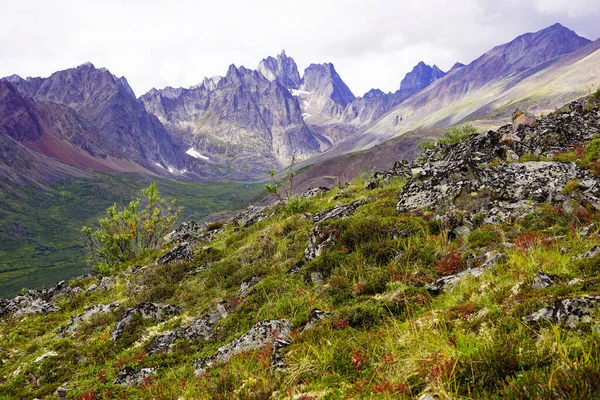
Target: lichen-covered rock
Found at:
319, 240
129, 376
250, 216
187, 232
296, 268
183, 251
105, 284
76, 320
448, 282
277, 359
542, 281
245, 286
313, 192
568, 312
593, 252
262, 334
25, 305
315, 316
339, 211
147, 311
199, 329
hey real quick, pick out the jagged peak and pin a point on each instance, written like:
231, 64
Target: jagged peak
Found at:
87, 64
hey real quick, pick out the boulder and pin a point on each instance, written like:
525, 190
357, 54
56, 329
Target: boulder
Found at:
315, 316
568, 312
245, 286
339, 211
541, 281
199, 329
262, 334
147, 311
76, 320
313, 192
102, 286
250, 216
448, 282
182, 251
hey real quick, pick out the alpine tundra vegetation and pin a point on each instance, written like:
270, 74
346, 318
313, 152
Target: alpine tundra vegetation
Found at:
469, 273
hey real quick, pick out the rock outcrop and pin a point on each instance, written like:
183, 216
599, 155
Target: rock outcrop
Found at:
145, 311
262, 334
568, 312
90, 312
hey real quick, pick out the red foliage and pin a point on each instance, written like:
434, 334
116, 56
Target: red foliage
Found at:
387, 387
595, 167
87, 396
436, 367
389, 359
360, 288
530, 239
339, 322
356, 360
450, 263
101, 375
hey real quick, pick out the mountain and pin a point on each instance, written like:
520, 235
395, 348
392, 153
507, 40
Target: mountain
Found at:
243, 121
110, 123
418, 79
466, 89
282, 69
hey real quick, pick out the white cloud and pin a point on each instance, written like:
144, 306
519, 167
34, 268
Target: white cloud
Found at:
373, 43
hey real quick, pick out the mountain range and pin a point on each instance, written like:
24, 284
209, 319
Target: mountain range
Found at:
237, 126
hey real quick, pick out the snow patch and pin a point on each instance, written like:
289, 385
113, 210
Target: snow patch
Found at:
298, 92
305, 115
176, 171
194, 153
158, 165
306, 104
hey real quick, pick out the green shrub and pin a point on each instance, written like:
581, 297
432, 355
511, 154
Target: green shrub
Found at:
483, 237
131, 233
457, 134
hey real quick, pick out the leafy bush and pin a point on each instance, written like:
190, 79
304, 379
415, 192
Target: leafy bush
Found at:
131, 233
457, 134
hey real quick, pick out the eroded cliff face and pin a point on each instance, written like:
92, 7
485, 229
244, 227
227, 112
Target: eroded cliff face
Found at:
98, 112
243, 119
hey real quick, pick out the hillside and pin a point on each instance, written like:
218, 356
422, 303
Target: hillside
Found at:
470, 273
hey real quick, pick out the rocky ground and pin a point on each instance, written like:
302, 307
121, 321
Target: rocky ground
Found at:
470, 273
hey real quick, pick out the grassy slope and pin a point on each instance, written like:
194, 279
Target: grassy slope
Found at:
39, 230
386, 338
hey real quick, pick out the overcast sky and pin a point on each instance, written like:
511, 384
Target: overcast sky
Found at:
372, 43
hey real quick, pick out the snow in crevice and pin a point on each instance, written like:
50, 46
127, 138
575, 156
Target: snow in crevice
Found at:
176, 171
196, 154
299, 92
305, 115
159, 165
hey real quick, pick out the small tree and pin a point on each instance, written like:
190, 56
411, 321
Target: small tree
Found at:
282, 188
130, 233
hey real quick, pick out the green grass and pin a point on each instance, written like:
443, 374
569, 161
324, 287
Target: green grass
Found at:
386, 338
39, 229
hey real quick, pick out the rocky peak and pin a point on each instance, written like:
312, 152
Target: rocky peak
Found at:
323, 80
282, 69
421, 76
373, 93
17, 114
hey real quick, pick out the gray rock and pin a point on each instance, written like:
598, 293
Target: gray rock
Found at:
104, 285
586, 231
147, 311
313, 192
250, 216
76, 320
315, 277
448, 282
296, 268
199, 329
61, 393
340, 211
277, 359
315, 316
593, 252
541, 281
245, 287
129, 376
568, 312
262, 334
313, 250
187, 232
574, 281
182, 251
